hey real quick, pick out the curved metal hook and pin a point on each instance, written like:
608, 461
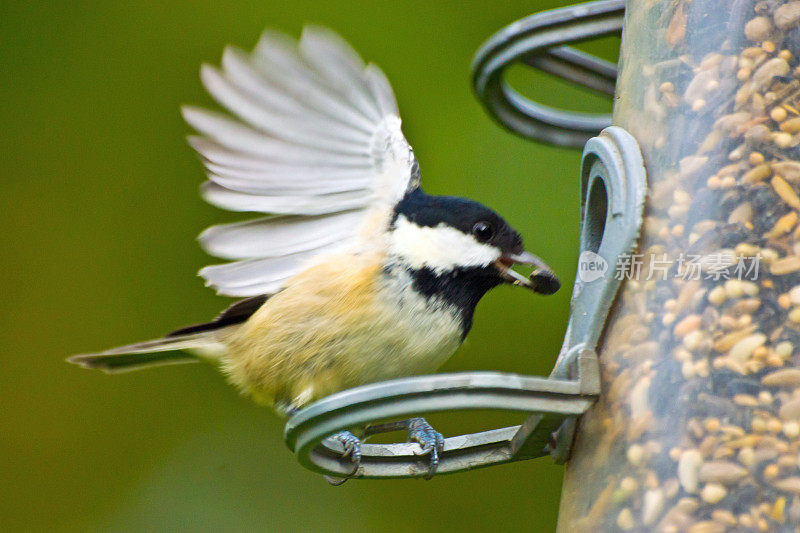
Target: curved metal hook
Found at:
613, 189
537, 41
402, 398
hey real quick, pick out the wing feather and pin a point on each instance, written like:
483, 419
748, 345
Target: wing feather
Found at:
277, 235
284, 204
271, 182
309, 133
261, 276
236, 136
213, 151
313, 141
287, 69
341, 66
240, 70
382, 91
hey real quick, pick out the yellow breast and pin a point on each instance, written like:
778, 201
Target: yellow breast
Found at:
341, 323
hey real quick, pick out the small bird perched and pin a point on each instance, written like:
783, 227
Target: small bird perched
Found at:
356, 275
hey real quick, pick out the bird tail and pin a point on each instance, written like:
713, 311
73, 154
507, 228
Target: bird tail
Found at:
147, 354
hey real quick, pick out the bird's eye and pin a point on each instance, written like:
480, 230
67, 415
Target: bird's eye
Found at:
483, 231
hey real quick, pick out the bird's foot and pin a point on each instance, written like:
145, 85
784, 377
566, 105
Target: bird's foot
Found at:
352, 449
431, 443
430, 440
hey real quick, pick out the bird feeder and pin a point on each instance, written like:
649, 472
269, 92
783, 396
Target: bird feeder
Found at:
698, 424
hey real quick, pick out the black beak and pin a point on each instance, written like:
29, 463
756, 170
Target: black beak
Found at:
542, 280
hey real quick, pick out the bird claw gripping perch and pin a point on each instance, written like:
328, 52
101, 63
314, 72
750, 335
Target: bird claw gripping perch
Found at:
430, 441
612, 199
352, 449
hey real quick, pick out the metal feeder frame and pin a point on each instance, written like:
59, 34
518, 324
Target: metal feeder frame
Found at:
539, 41
613, 188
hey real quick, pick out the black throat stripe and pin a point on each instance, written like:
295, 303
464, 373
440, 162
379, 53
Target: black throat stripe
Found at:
460, 289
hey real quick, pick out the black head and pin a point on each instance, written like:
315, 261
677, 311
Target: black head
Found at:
466, 216
459, 249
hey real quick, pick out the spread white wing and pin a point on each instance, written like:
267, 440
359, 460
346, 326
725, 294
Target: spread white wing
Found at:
315, 143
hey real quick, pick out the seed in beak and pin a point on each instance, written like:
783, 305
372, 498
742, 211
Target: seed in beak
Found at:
544, 282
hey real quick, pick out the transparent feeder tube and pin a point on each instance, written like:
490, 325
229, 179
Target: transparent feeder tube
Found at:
698, 424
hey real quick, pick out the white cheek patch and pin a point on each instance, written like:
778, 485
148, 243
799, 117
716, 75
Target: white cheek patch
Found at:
440, 248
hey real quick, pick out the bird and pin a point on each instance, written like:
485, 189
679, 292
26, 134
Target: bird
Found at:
351, 273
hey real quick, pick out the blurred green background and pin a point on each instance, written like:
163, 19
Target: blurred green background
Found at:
99, 215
